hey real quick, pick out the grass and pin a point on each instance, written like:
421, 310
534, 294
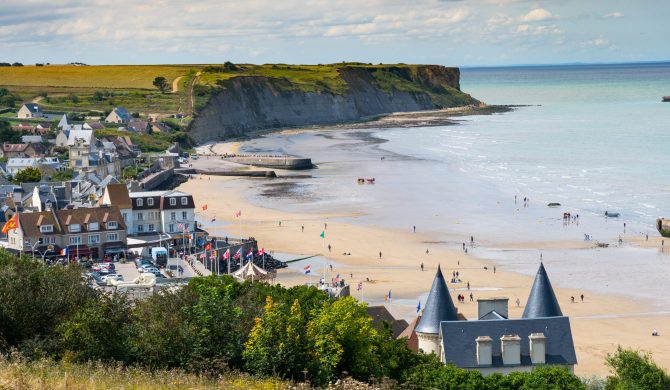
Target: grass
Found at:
47, 374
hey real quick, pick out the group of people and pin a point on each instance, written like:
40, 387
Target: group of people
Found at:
461, 298
526, 201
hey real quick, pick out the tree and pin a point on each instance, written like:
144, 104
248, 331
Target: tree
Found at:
73, 98
161, 83
635, 370
7, 134
98, 96
28, 175
99, 330
343, 335
64, 175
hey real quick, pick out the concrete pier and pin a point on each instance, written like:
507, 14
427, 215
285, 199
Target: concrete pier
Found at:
273, 162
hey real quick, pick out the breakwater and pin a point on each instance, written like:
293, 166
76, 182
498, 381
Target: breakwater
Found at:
295, 163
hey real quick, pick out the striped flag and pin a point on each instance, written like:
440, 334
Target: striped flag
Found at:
226, 256
204, 207
307, 269
238, 254
250, 255
388, 296
261, 252
180, 226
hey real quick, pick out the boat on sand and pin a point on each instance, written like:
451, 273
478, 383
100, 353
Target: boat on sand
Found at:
663, 226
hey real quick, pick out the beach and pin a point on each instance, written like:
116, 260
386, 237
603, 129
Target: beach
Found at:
599, 324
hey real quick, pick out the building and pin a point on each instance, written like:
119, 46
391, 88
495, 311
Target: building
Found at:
171, 212
139, 126
15, 165
87, 154
30, 110
22, 150
83, 232
118, 115
117, 194
495, 343
31, 139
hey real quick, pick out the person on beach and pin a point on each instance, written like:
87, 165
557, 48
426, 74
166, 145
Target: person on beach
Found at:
647, 237
472, 240
303, 228
518, 303
325, 226
472, 298
328, 247
468, 285
421, 267
494, 269
572, 299
380, 255
582, 297
331, 267
514, 199
463, 247
279, 223
414, 227
426, 250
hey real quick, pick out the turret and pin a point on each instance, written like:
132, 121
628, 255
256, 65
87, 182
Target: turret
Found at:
542, 301
439, 307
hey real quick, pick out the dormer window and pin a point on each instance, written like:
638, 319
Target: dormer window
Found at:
112, 225
173, 201
140, 202
75, 228
46, 228
150, 202
184, 201
93, 226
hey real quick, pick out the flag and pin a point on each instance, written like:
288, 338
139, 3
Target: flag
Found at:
214, 219
418, 307
226, 256
204, 208
323, 234
360, 286
208, 246
238, 254
180, 226
63, 252
388, 297
250, 254
11, 224
238, 214
307, 269
213, 255
202, 255
261, 252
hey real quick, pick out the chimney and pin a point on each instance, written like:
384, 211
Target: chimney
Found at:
487, 305
484, 350
538, 349
510, 347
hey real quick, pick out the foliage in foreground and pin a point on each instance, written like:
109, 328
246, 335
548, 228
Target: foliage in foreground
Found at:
216, 326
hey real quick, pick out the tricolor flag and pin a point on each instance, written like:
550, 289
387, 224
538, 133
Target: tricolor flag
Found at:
204, 208
63, 252
238, 254
261, 252
388, 296
250, 254
226, 256
180, 226
213, 255
307, 269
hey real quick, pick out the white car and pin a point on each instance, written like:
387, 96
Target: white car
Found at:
117, 277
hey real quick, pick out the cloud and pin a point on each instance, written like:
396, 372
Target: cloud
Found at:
596, 42
537, 15
616, 14
521, 28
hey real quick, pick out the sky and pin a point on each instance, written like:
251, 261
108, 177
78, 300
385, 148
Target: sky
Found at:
446, 32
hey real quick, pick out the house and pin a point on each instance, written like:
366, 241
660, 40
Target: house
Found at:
381, 318
24, 128
81, 232
118, 115
30, 110
62, 138
46, 165
117, 194
63, 122
22, 150
139, 126
95, 125
495, 343
48, 196
171, 212
159, 127
31, 139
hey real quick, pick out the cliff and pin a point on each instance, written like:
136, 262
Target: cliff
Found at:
248, 102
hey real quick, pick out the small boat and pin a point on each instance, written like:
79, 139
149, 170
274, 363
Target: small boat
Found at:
554, 204
666, 98
663, 227
371, 181
612, 215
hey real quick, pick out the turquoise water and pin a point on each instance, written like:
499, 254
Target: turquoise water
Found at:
595, 137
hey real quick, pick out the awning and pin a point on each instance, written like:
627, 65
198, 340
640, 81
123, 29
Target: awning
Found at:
78, 250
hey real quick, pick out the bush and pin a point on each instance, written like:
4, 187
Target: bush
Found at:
635, 370
28, 175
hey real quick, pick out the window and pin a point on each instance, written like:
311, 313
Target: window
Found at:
93, 226
184, 201
112, 236
140, 228
75, 228
140, 216
171, 228
112, 225
150, 201
173, 216
125, 216
184, 215
173, 201
75, 240
152, 228
46, 228
139, 202
94, 239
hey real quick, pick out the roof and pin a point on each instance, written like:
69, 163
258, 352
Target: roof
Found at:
83, 216
178, 195
14, 148
96, 125
138, 125
492, 315
118, 195
63, 121
439, 306
31, 139
122, 113
460, 348
32, 107
23, 162
542, 301
380, 314
85, 136
30, 223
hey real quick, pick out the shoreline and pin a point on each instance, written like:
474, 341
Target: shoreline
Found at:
599, 324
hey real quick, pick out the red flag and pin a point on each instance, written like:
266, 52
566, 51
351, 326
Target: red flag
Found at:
204, 207
226, 256
11, 224
238, 254
208, 246
261, 252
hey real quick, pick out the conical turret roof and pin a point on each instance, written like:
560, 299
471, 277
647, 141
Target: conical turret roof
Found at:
542, 301
439, 306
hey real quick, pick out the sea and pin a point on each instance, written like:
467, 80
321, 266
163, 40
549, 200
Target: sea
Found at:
594, 138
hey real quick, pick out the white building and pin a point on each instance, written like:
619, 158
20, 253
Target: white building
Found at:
30, 110
171, 212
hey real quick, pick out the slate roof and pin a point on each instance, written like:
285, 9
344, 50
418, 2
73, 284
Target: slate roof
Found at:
118, 195
32, 107
138, 125
30, 139
122, 113
542, 301
380, 314
439, 306
460, 348
84, 136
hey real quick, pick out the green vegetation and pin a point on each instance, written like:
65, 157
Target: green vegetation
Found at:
28, 175
64, 175
155, 142
8, 99
161, 83
7, 135
51, 323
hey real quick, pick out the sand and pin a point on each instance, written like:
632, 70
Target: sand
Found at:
599, 324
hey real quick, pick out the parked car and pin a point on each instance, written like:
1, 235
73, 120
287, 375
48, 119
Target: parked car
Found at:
117, 277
